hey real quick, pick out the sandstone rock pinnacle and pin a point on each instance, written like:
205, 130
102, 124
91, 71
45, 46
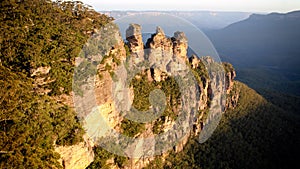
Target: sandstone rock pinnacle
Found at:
134, 38
180, 44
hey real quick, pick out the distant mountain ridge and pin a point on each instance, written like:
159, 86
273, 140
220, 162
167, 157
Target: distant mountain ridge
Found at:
205, 20
263, 44
275, 15
260, 36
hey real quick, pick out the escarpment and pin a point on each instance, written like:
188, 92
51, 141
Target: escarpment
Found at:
155, 65
78, 93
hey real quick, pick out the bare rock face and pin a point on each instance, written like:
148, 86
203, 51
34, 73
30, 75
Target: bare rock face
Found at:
229, 81
134, 38
197, 63
180, 45
159, 49
78, 156
229, 77
40, 71
233, 98
135, 42
158, 75
194, 61
160, 41
41, 79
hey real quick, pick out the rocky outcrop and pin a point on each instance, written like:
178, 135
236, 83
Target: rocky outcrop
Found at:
135, 42
180, 45
77, 156
162, 62
229, 77
134, 37
194, 61
159, 51
164, 57
40, 71
41, 79
113, 53
233, 97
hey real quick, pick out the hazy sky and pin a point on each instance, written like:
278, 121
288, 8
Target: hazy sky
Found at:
213, 5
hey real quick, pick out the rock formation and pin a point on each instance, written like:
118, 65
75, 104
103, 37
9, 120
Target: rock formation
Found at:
165, 57
180, 45
135, 42
134, 37
77, 156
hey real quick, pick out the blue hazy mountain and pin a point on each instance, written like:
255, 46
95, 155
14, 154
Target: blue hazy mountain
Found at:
205, 20
265, 49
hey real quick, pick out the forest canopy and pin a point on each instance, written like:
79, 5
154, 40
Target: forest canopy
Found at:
39, 33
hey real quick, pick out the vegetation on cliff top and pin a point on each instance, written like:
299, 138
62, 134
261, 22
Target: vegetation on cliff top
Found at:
31, 123
39, 33
45, 33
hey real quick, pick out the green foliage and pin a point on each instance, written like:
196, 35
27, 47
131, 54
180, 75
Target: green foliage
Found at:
228, 67
83, 72
120, 160
287, 102
131, 128
128, 53
45, 33
268, 81
109, 66
142, 88
115, 59
201, 75
200, 72
31, 123
101, 157
39, 33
